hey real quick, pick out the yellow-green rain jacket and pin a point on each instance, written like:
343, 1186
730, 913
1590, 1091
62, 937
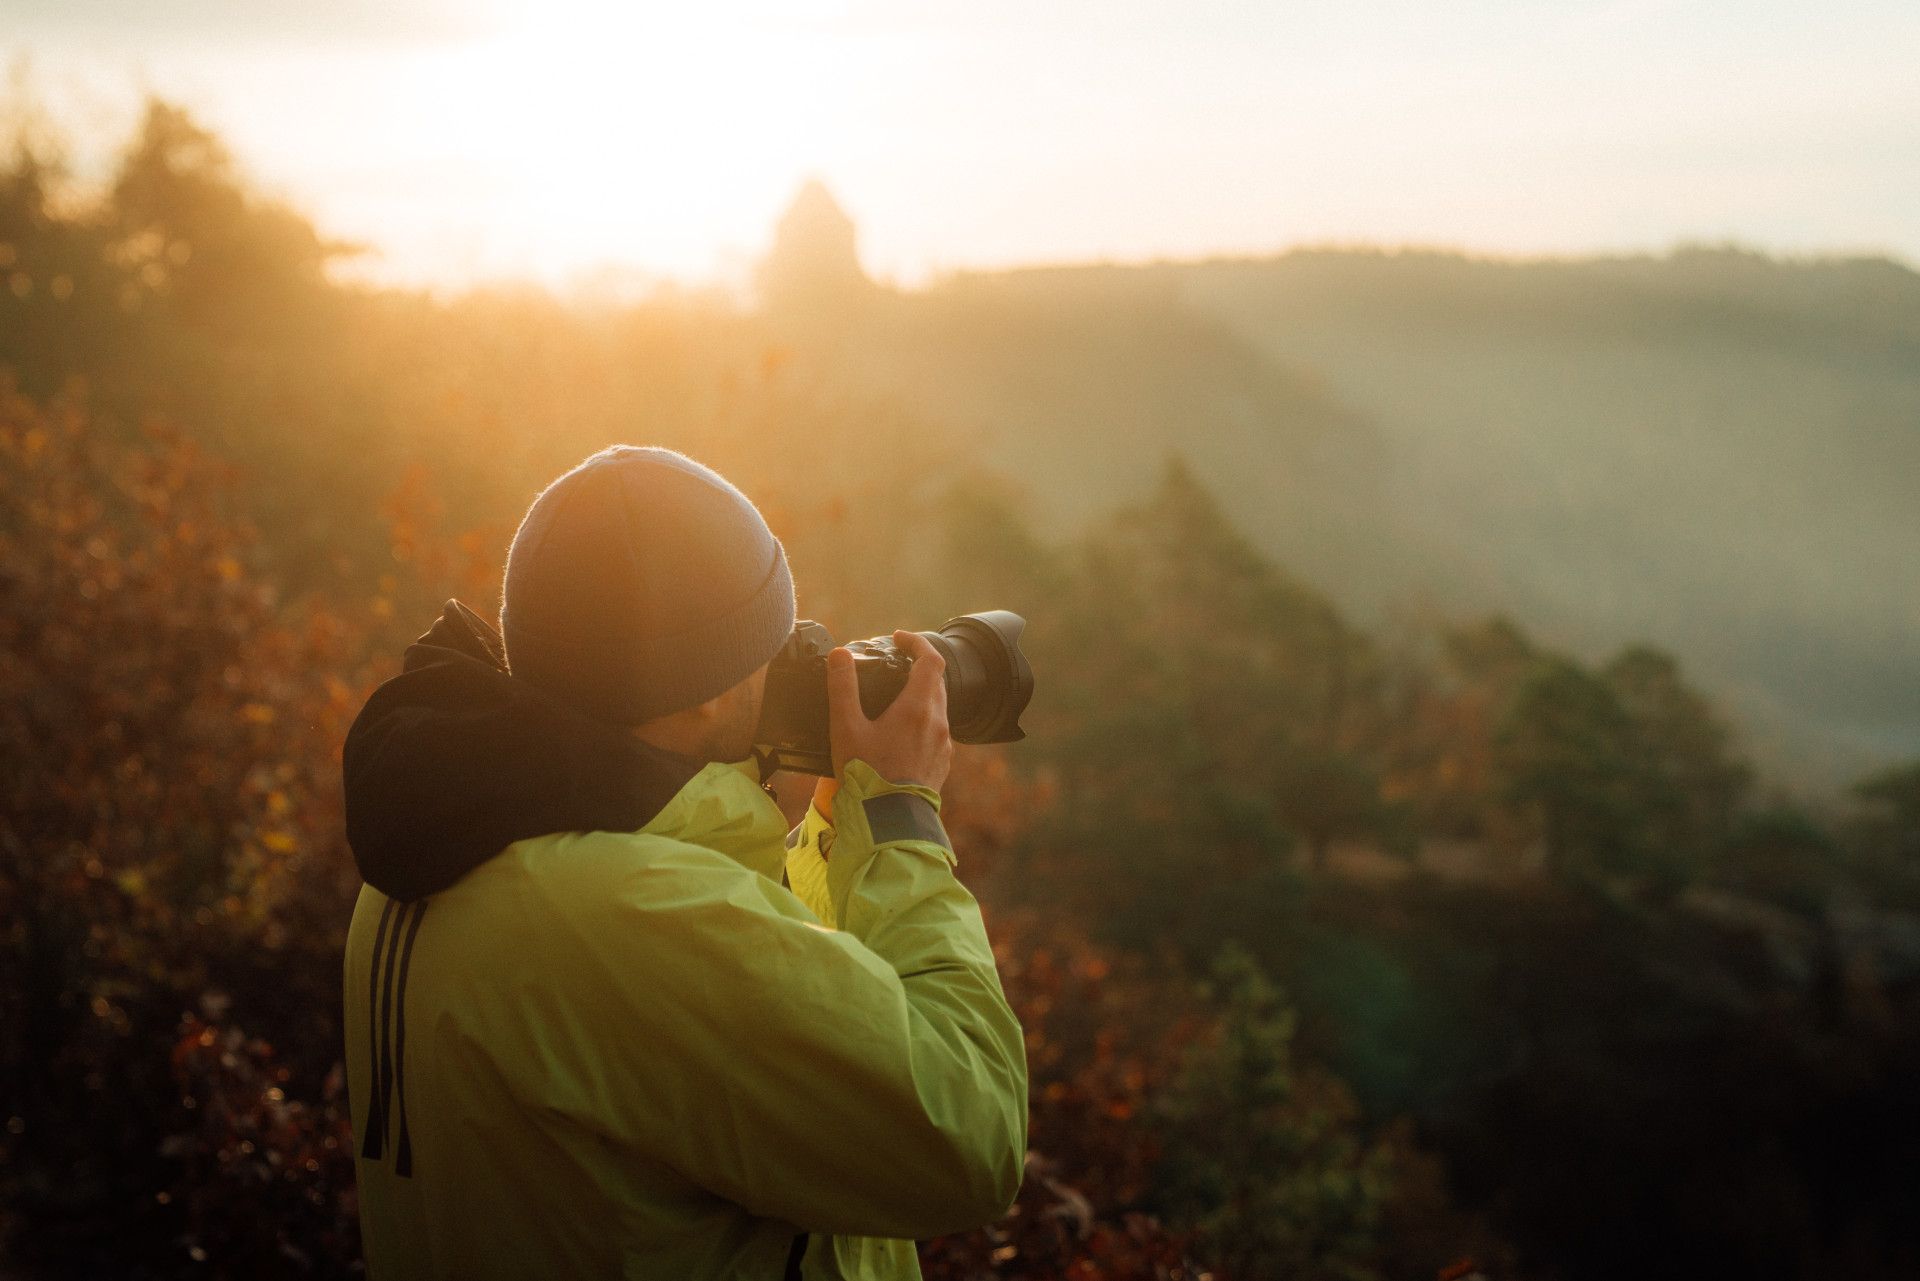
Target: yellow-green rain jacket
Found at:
639, 1054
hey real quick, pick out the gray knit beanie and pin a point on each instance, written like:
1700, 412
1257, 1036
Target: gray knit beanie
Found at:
641, 583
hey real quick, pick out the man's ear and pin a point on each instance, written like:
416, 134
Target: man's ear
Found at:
713, 709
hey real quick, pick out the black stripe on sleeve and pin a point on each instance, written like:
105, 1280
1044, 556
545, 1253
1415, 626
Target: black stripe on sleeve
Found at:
902, 816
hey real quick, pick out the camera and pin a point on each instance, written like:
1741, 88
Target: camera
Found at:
988, 679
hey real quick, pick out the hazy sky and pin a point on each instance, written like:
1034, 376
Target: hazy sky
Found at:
547, 138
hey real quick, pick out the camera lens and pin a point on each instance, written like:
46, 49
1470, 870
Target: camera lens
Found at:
989, 681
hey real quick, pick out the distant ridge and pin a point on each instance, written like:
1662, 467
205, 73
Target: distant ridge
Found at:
1710, 448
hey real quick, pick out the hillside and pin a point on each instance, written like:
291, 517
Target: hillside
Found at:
1711, 449
1354, 931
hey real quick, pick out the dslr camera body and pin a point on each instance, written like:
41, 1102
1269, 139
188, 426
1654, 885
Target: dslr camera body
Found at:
988, 679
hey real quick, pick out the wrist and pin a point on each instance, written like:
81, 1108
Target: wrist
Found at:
861, 782
869, 811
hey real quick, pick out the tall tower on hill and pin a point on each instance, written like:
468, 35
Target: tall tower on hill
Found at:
814, 265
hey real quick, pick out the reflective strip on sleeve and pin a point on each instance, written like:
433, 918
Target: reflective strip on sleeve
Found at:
902, 816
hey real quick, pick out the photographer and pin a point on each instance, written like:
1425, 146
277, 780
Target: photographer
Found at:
591, 1031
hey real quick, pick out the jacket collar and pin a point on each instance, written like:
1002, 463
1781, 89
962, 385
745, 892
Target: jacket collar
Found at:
724, 808
455, 759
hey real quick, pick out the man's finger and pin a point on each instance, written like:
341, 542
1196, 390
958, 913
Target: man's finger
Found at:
843, 687
929, 668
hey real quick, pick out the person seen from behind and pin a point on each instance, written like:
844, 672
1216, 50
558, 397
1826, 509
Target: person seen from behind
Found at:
606, 1016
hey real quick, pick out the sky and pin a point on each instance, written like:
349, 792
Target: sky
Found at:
568, 141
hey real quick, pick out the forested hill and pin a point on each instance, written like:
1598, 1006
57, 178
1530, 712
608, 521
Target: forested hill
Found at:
1712, 449
1508, 946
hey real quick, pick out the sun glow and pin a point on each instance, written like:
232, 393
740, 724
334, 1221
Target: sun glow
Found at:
612, 133
484, 140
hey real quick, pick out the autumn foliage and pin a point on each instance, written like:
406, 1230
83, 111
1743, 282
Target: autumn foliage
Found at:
1341, 953
172, 862
174, 850
174, 855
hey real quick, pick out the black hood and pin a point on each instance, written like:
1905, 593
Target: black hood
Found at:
454, 759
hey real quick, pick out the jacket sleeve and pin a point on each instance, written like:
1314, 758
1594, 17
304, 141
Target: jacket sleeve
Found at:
867, 1080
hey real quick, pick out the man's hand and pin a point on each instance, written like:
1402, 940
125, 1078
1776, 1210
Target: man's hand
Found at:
910, 743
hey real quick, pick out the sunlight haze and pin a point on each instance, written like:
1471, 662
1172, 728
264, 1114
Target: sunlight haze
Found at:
560, 141
1452, 811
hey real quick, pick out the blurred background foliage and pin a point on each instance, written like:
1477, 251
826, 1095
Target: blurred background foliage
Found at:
1359, 931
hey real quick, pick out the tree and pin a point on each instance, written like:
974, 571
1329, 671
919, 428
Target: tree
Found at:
1893, 799
1778, 852
226, 262
813, 270
1628, 770
1264, 1161
1445, 698
60, 294
1566, 750
1208, 684
1690, 781
1325, 796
